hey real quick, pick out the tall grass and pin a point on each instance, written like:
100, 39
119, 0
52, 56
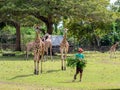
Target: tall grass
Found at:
101, 72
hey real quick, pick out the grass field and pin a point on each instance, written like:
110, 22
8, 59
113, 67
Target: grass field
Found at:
101, 72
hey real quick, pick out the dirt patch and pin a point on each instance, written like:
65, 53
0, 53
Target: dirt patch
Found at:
21, 86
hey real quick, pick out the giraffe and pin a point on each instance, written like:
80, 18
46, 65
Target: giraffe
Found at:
48, 44
113, 49
64, 46
29, 46
38, 50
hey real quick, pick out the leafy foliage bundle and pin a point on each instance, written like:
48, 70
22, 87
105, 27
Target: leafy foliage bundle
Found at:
73, 62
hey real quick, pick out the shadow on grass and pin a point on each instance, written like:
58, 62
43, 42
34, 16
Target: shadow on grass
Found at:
14, 58
21, 76
51, 71
70, 81
23, 58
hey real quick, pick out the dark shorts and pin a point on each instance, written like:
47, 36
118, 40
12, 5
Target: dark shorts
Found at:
79, 70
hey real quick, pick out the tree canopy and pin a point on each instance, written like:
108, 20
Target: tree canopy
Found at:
84, 18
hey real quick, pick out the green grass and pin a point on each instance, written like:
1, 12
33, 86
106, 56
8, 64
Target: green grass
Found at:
101, 72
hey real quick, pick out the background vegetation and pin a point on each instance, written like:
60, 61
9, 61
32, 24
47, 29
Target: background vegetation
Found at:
89, 21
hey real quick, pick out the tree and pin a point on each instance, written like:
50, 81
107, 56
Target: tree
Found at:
11, 13
52, 11
115, 30
94, 16
116, 6
92, 12
10, 17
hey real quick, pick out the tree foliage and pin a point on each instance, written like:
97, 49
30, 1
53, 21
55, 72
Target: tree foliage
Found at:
85, 19
93, 21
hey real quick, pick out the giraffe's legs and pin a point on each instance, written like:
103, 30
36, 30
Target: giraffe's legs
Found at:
112, 54
26, 55
62, 67
35, 67
38, 59
36, 63
61, 53
46, 52
65, 55
51, 53
41, 57
65, 62
64, 52
37, 71
62, 59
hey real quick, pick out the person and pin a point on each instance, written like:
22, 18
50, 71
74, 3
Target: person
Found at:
79, 56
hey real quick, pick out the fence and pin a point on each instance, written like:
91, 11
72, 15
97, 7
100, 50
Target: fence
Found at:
72, 48
11, 47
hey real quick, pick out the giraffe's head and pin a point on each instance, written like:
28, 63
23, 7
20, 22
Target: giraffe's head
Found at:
65, 30
37, 28
117, 43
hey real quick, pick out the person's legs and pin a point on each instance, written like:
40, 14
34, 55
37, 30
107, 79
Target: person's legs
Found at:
77, 71
81, 71
80, 77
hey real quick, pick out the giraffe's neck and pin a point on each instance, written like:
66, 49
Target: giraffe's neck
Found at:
37, 36
65, 36
115, 45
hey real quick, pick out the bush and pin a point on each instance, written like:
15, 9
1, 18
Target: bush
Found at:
72, 62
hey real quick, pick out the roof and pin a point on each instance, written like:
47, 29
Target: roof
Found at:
56, 40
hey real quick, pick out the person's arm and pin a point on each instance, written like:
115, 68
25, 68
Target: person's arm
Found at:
83, 56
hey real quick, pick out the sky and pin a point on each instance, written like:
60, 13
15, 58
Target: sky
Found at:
112, 1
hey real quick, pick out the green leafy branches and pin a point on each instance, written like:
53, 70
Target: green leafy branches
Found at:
73, 62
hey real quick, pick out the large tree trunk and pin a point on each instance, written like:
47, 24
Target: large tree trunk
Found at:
18, 38
49, 27
49, 24
47, 21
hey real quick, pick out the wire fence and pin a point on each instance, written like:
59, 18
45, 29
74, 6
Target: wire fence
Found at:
72, 48
11, 47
